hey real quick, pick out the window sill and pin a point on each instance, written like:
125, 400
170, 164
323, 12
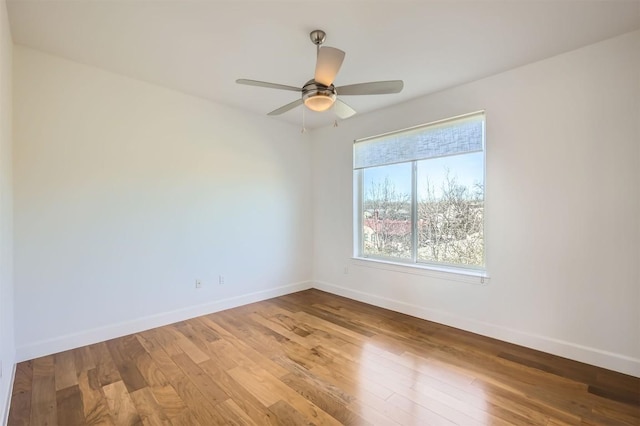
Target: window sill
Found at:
441, 272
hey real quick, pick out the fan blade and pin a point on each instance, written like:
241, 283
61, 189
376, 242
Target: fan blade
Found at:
286, 108
343, 110
268, 85
328, 64
373, 88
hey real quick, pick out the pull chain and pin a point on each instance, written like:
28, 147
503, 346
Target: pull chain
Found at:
335, 120
304, 129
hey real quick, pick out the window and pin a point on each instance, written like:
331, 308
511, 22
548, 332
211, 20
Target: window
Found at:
420, 194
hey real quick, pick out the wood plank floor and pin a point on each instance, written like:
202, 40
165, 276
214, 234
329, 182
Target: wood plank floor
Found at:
315, 358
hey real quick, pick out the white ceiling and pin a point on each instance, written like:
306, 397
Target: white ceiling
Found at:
202, 47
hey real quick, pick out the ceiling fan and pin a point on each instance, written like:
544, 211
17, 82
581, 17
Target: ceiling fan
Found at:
319, 94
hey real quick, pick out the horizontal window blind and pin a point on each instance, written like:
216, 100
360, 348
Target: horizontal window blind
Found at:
458, 135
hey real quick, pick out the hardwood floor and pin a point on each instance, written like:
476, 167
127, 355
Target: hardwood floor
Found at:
316, 358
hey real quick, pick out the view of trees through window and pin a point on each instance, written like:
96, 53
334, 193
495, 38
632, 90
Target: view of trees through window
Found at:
449, 210
387, 211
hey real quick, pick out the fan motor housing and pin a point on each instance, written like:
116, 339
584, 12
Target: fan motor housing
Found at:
312, 88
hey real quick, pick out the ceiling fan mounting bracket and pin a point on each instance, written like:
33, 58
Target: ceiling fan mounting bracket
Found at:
318, 37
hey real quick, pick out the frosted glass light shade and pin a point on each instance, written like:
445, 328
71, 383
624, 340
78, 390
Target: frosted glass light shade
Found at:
319, 102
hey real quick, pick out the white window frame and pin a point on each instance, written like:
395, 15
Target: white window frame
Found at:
466, 273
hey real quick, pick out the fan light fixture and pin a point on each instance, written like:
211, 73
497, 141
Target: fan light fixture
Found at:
318, 97
320, 102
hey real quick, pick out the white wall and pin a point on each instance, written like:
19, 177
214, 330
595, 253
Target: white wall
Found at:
562, 208
7, 344
126, 193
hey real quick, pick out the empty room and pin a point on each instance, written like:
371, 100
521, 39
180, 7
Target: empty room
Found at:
350, 212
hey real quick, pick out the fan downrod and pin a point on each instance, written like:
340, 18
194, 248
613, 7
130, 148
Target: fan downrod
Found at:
318, 37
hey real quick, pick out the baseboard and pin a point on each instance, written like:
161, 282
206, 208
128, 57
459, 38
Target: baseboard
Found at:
7, 396
588, 355
95, 335
593, 356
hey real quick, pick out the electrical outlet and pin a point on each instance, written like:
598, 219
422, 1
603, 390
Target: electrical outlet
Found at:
198, 284
346, 270
220, 279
